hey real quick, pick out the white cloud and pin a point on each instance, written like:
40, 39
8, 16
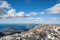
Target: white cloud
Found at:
28, 15
12, 13
31, 20
21, 14
41, 13
35, 19
3, 12
33, 13
54, 10
4, 4
54, 19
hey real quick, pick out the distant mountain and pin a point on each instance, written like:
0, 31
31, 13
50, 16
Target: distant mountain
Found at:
18, 26
9, 31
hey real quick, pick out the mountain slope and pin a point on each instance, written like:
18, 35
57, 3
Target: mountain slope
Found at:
45, 32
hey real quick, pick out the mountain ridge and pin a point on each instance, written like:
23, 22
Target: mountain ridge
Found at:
45, 32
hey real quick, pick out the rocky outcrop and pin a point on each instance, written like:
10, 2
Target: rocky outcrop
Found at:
41, 32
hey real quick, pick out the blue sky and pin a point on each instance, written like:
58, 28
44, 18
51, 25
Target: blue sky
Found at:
30, 11
31, 5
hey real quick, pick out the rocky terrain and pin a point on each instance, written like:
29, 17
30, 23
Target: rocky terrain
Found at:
40, 32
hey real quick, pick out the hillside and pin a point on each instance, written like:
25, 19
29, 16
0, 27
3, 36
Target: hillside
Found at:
45, 32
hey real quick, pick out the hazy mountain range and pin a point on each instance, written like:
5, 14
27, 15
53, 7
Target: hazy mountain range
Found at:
8, 29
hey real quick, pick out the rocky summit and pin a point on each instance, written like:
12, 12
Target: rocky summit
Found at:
40, 32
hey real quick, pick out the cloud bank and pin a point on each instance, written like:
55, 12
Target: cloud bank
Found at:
54, 10
12, 12
23, 17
